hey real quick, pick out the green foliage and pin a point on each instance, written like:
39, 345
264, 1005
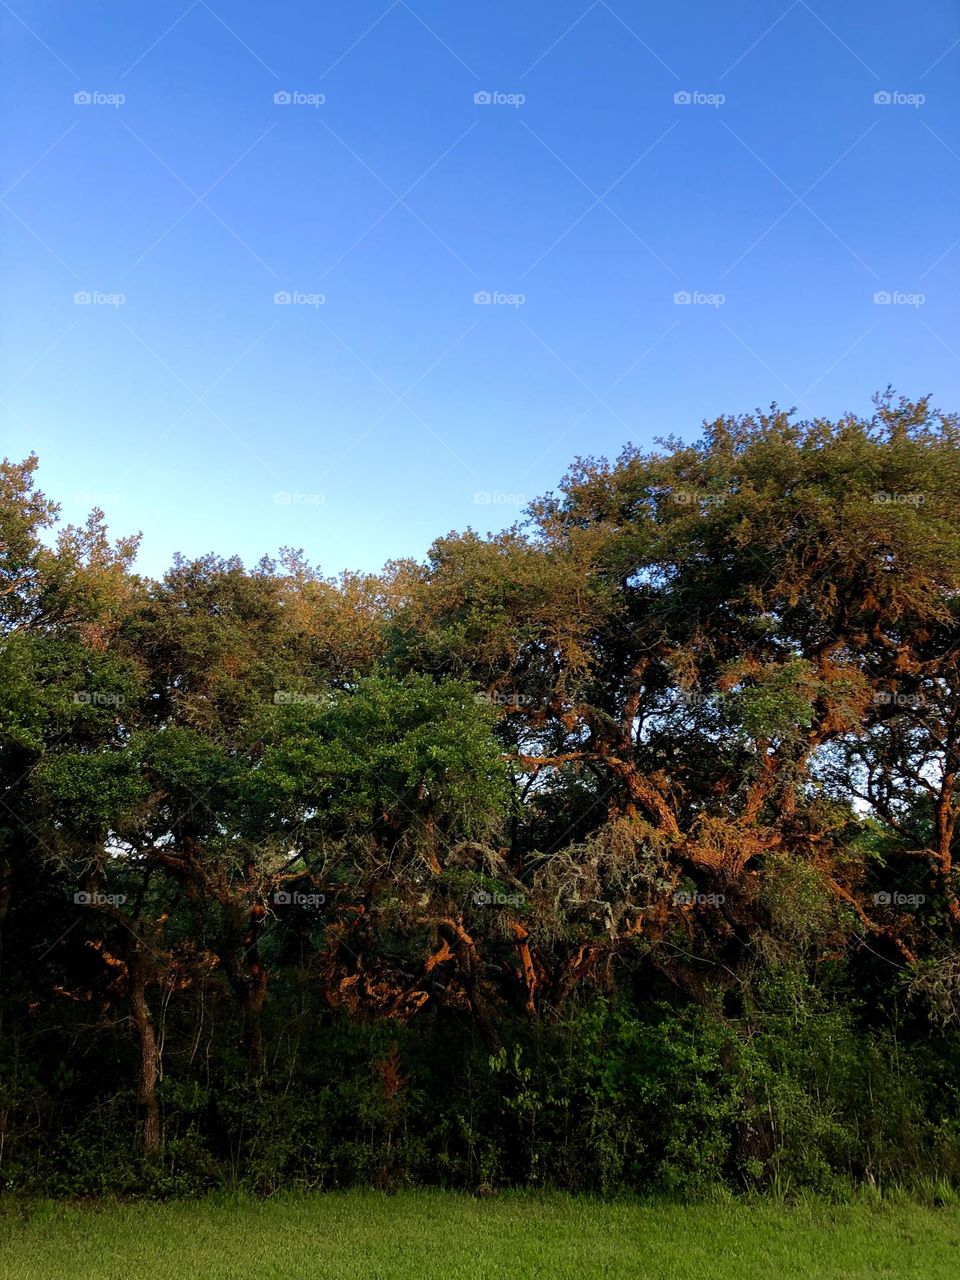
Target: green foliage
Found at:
385, 744
616, 851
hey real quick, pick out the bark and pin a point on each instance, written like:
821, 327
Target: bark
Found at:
945, 811
147, 1098
249, 978
527, 969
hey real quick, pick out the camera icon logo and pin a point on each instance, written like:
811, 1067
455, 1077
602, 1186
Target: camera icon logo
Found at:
282, 98
883, 98
683, 98
282, 898
483, 98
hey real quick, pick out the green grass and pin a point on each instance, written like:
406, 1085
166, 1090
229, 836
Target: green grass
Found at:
362, 1235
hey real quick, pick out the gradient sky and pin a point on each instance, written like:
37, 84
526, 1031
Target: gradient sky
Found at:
213, 418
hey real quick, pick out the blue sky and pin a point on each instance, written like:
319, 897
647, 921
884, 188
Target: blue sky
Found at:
780, 195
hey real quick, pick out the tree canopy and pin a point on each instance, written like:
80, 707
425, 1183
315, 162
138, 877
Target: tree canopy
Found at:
687, 733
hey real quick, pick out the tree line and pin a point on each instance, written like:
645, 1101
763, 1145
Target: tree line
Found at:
612, 850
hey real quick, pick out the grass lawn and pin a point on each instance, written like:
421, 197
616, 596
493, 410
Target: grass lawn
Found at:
360, 1235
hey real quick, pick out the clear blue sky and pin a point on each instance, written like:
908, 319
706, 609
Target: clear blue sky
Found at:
383, 412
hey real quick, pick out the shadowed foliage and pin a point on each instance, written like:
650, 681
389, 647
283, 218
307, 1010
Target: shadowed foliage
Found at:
613, 850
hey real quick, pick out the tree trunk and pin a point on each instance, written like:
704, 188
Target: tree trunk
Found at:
249, 979
149, 1053
254, 994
